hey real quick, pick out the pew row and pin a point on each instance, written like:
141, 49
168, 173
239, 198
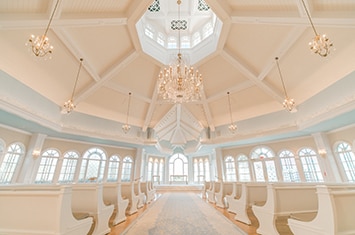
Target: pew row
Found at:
336, 213
113, 195
88, 198
282, 201
211, 192
224, 189
39, 209
251, 194
139, 193
149, 191
235, 194
128, 192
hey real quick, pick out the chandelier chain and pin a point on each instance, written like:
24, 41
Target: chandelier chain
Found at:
282, 81
309, 17
51, 18
77, 78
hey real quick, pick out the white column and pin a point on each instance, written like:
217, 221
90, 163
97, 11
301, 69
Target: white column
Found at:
28, 170
327, 160
138, 164
219, 164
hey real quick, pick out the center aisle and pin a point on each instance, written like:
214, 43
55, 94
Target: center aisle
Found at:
177, 213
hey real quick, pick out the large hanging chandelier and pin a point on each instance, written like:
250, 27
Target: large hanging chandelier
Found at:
39, 45
69, 105
288, 103
320, 44
179, 82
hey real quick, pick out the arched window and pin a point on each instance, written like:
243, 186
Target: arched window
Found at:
201, 169
172, 43
311, 168
230, 169
207, 169
185, 42
150, 169
161, 39
47, 166
67, 172
178, 165
161, 170
126, 169
207, 30
14, 154
289, 167
196, 38
243, 168
263, 161
347, 159
156, 167
93, 165
113, 168
149, 31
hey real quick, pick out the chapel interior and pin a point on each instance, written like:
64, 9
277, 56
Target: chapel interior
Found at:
215, 97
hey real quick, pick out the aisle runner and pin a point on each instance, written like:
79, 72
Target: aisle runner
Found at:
182, 213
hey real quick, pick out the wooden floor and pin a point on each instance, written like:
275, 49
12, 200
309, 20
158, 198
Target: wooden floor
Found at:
251, 230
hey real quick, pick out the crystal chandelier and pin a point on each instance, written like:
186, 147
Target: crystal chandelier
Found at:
39, 45
288, 103
69, 105
320, 44
232, 127
179, 82
127, 127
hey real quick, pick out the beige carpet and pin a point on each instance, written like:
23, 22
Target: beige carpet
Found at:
182, 213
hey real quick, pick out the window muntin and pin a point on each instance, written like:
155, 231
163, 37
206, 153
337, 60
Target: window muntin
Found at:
67, 173
14, 154
126, 169
289, 167
113, 168
92, 165
47, 166
178, 165
263, 160
347, 159
201, 169
230, 169
311, 168
243, 168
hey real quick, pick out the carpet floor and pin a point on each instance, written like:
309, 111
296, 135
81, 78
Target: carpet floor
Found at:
181, 213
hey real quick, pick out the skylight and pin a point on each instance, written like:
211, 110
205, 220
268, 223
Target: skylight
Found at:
158, 30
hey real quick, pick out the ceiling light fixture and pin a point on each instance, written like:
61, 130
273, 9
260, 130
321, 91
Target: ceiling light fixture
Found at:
69, 105
127, 127
320, 44
179, 82
232, 127
288, 103
39, 45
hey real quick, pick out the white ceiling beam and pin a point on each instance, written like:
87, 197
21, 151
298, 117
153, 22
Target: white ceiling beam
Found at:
285, 45
251, 76
119, 66
326, 22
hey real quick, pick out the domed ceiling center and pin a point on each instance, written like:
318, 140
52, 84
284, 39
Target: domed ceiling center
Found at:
158, 30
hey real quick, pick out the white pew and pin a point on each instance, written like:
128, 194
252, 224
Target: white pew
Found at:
211, 193
206, 186
88, 198
113, 195
148, 191
128, 192
224, 189
139, 193
252, 193
235, 194
39, 209
284, 200
336, 213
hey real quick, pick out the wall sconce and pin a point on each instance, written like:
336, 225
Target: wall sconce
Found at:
36, 153
322, 152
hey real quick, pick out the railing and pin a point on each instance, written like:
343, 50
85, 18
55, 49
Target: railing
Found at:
178, 178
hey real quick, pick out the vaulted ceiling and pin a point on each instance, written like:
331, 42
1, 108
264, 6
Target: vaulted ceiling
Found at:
238, 57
